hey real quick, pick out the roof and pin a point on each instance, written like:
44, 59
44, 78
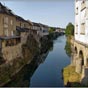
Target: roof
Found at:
22, 19
6, 10
22, 29
36, 24
19, 18
9, 37
43, 25
30, 22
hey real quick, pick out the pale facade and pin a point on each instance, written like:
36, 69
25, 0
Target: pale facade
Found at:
81, 21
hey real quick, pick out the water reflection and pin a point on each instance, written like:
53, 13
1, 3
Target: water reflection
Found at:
48, 74
22, 79
68, 47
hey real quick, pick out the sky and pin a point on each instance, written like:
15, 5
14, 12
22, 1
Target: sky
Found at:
56, 13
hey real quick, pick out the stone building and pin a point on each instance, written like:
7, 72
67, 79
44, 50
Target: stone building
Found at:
13, 33
22, 28
7, 23
8, 38
44, 30
81, 37
39, 30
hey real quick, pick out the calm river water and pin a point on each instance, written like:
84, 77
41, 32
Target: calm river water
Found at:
45, 71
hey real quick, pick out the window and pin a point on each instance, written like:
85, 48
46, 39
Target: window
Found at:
82, 28
6, 32
5, 25
0, 8
12, 33
6, 20
24, 25
77, 11
76, 29
20, 24
83, 5
11, 22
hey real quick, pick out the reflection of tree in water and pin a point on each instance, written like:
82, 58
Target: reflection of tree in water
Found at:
68, 47
22, 78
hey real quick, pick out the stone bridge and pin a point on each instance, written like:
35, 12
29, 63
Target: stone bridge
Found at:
80, 59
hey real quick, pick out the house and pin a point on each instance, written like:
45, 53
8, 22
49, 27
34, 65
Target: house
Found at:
44, 30
7, 27
81, 37
23, 28
40, 29
81, 21
35, 28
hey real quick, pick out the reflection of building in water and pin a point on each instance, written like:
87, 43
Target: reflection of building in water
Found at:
23, 78
81, 39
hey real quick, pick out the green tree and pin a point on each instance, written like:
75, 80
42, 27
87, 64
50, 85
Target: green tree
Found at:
51, 30
69, 29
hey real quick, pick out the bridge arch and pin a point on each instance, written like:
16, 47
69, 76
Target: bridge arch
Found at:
81, 57
76, 51
87, 62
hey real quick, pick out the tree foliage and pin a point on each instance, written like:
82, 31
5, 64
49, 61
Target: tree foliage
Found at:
51, 30
69, 29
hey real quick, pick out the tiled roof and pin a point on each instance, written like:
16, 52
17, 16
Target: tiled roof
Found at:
36, 24
19, 18
43, 25
22, 19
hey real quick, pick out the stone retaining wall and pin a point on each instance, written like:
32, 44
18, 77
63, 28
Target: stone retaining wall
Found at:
11, 52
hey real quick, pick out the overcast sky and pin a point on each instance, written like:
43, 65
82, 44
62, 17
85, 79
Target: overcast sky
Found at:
56, 13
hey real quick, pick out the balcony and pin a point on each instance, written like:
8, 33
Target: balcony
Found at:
9, 41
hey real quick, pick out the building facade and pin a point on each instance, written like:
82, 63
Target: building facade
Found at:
13, 33
81, 21
80, 46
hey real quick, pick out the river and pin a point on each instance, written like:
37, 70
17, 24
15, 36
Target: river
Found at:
46, 71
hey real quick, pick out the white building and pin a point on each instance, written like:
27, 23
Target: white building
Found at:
81, 21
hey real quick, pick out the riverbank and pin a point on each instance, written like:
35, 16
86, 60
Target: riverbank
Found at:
8, 70
45, 69
29, 51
